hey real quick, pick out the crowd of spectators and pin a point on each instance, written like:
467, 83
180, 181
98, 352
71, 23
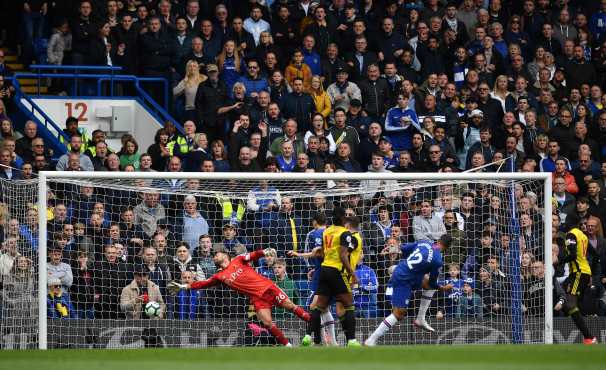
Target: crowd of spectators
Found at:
307, 86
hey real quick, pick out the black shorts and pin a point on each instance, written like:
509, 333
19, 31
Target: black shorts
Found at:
332, 282
576, 283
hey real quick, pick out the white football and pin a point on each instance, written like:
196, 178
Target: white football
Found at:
152, 309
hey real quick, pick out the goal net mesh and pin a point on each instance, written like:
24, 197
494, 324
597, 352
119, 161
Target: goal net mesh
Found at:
102, 231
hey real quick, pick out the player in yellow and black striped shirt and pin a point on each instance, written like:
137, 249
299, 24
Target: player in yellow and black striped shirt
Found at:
575, 254
337, 274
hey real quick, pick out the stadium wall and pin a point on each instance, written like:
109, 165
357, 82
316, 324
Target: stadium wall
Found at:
205, 333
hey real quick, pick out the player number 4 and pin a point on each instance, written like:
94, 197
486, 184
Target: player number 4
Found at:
414, 258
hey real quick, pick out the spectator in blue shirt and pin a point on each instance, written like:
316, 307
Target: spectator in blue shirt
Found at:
188, 304
193, 223
597, 23
253, 82
365, 297
401, 123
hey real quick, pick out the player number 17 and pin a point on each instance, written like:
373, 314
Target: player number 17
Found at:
414, 258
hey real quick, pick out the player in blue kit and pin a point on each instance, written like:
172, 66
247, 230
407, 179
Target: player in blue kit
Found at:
418, 259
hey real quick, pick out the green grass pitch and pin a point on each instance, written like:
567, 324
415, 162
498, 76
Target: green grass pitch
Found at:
480, 357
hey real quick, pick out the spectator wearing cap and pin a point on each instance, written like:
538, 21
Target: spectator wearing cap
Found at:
358, 118
401, 123
140, 292
211, 95
468, 134
231, 240
470, 304
390, 156
342, 91
59, 306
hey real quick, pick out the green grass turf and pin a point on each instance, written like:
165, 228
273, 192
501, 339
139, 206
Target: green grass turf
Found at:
409, 357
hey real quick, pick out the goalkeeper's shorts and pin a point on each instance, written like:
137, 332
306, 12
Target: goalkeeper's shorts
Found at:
273, 296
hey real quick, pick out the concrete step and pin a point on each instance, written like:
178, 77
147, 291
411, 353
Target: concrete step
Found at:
30, 81
34, 89
16, 67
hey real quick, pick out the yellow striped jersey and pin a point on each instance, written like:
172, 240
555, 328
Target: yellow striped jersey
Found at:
575, 252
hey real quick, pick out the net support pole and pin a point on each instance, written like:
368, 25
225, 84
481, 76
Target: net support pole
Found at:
42, 274
517, 314
549, 270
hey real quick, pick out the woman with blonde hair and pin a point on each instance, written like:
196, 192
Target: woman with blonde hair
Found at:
229, 63
500, 91
188, 86
321, 98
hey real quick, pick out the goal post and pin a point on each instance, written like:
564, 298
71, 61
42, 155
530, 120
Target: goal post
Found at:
519, 322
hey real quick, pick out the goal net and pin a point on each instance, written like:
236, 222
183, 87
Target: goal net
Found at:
109, 245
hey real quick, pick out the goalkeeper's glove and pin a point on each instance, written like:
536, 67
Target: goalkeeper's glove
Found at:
174, 287
270, 252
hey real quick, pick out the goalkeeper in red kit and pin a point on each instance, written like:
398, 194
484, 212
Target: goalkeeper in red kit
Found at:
237, 274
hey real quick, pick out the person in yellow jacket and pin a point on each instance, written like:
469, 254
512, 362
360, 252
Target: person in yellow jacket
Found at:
298, 69
321, 98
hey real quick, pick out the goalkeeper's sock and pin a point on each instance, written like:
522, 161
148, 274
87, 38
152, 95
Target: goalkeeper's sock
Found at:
278, 334
580, 323
328, 322
425, 302
315, 325
301, 313
383, 328
349, 323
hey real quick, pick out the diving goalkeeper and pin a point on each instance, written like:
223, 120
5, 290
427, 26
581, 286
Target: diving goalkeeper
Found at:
237, 274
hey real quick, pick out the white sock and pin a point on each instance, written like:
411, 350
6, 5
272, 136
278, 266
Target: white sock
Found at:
424, 306
383, 328
328, 323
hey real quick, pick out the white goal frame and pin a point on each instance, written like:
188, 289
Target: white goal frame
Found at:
47, 175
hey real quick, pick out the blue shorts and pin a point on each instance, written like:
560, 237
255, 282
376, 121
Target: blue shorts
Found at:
400, 295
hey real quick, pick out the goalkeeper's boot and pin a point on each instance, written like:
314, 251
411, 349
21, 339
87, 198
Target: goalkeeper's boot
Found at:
590, 341
353, 343
306, 341
422, 324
